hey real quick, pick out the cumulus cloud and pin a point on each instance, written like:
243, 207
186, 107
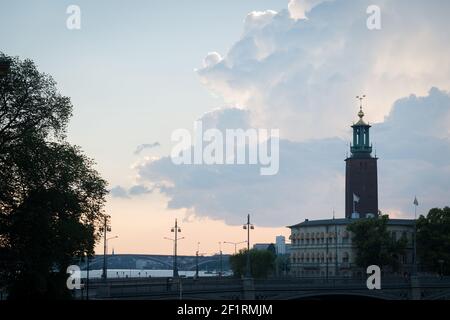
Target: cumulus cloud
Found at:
311, 179
211, 59
144, 146
136, 190
118, 192
258, 19
229, 192
301, 75
414, 147
299, 8
226, 118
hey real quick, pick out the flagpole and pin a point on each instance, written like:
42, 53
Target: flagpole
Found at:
415, 236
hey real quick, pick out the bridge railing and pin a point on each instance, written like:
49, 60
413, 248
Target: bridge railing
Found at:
172, 288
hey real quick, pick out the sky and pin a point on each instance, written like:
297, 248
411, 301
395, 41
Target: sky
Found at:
137, 71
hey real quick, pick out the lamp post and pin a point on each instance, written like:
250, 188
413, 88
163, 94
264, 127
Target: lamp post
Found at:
197, 255
220, 257
115, 237
87, 276
175, 230
196, 260
105, 230
235, 244
248, 226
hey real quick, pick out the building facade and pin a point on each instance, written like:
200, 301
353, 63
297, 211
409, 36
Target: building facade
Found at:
324, 247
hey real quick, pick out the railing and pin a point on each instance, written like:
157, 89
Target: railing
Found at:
174, 288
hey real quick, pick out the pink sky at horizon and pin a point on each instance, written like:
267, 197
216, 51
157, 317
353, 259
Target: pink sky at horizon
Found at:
141, 223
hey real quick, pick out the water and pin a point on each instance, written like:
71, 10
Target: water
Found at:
139, 273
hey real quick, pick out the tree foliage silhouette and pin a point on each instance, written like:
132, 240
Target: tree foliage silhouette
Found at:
374, 244
433, 240
51, 197
262, 263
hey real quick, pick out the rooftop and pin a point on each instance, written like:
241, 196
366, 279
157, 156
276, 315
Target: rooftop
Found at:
311, 223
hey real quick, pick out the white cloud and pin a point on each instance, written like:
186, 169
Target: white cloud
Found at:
413, 160
258, 19
302, 75
211, 59
299, 8
118, 192
144, 146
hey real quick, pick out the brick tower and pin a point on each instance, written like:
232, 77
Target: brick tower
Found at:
361, 182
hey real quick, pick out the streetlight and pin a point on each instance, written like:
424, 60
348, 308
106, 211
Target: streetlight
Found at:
87, 276
221, 265
105, 255
248, 226
196, 260
105, 229
115, 237
197, 254
175, 229
5, 64
235, 244
416, 204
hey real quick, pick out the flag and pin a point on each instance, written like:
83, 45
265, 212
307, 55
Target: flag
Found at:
416, 203
355, 198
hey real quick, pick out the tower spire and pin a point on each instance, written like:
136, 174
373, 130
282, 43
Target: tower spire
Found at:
361, 142
361, 112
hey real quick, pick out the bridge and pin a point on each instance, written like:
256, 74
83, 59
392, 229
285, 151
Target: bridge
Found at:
147, 261
221, 288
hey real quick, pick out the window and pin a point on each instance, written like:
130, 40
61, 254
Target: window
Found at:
345, 257
394, 235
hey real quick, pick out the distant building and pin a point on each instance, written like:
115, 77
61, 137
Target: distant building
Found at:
261, 246
322, 247
280, 245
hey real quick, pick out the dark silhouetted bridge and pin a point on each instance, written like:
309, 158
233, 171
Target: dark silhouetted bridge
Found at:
416, 288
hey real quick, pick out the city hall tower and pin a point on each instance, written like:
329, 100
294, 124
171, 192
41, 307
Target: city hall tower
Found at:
361, 185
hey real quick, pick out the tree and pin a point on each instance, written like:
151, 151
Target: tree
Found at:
282, 264
51, 197
272, 249
262, 263
374, 245
433, 240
